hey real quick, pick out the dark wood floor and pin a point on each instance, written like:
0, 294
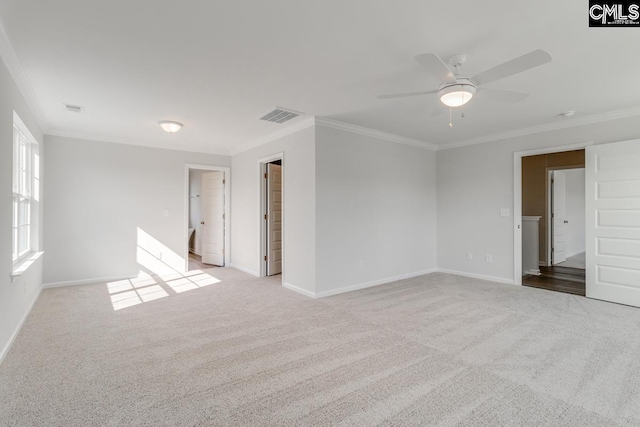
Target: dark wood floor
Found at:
559, 279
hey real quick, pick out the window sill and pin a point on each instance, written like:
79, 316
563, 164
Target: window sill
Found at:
21, 268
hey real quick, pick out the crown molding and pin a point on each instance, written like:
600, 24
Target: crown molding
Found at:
334, 124
16, 71
564, 124
137, 142
302, 124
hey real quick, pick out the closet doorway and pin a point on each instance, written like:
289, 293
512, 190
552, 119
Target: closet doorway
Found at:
272, 215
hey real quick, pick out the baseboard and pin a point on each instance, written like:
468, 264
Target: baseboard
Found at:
542, 263
244, 270
85, 282
304, 292
193, 251
6, 348
372, 283
575, 253
477, 276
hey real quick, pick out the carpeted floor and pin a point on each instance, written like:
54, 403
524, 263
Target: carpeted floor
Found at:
235, 350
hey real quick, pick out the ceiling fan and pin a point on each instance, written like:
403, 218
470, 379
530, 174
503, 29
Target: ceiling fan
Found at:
456, 91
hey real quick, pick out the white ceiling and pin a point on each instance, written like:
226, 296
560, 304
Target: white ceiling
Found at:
216, 66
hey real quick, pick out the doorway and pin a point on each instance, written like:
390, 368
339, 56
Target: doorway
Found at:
553, 233
272, 215
612, 226
206, 220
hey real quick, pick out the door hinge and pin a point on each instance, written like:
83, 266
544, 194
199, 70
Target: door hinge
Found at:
553, 180
224, 181
553, 215
265, 176
265, 216
265, 257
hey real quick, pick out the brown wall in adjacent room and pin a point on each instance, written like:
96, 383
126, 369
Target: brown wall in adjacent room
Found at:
534, 186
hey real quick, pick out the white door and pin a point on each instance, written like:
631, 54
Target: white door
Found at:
558, 217
613, 222
274, 219
212, 196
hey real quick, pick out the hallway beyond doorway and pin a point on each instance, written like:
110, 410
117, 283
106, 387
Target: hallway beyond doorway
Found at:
559, 279
576, 261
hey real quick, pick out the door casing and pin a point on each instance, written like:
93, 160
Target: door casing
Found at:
227, 210
262, 169
517, 199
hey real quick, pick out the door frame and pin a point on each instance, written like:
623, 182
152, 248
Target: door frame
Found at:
262, 169
517, 199
227, 207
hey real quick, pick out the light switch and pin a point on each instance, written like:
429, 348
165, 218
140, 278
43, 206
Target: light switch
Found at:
504, 211
166, 213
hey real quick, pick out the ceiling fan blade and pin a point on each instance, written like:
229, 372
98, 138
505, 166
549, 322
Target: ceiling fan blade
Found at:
503, 95
515, 66
405, 95
436, 67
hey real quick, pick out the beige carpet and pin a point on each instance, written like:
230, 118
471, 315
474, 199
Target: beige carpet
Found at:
235, 350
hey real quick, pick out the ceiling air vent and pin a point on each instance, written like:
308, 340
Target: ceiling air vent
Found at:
74, 108
280, 115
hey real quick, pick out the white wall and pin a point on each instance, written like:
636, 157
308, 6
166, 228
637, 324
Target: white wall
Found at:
375, 210
99, 194
299, 207
474, 182
575, 229
16, 297
195, 209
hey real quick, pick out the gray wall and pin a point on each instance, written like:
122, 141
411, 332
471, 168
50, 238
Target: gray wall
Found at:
16, 297
474, 182
375, 210
299, 190
99, 194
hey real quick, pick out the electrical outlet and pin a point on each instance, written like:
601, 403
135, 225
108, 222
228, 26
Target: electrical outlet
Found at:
504, 212
469, 255
489, 258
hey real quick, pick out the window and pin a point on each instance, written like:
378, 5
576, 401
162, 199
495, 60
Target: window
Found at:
26, 191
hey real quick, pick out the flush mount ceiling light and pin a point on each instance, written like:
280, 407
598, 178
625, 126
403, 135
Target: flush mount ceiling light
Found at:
456, 94
170, 126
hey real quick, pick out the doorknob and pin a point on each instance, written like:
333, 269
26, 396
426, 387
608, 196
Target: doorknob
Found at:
566, 222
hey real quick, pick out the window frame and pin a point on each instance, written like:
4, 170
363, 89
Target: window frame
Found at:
26, 194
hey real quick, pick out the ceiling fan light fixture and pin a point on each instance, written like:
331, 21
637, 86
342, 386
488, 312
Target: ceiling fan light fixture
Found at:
170, 126
456, 95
